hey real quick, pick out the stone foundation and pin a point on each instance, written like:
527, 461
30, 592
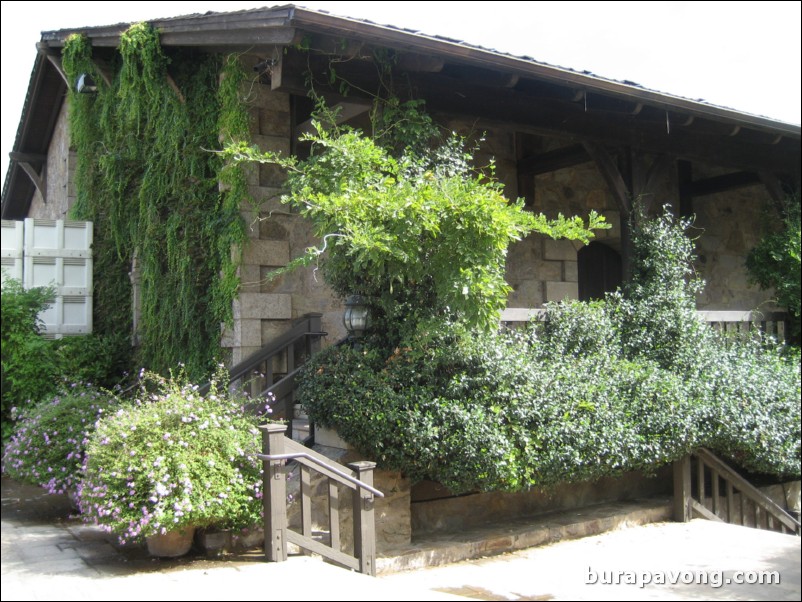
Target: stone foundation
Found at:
445, 514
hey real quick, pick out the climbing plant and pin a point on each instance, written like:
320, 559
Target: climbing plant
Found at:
416, 229
164, 206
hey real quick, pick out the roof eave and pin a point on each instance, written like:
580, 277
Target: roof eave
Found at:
459, 52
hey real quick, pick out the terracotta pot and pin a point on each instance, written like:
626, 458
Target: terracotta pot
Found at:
171, 544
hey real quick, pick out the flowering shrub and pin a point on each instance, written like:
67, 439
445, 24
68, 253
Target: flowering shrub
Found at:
174, 459
48, 443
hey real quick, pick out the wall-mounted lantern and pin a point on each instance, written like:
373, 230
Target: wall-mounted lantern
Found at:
356, 317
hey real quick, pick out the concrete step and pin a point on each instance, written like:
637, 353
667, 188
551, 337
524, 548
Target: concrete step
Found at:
300, 429
507, 536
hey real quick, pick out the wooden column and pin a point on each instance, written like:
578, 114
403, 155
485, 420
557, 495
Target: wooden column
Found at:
364, 520
682, 490
685, 188
622, 193
274, 493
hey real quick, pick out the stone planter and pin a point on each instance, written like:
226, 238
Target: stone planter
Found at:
171, 544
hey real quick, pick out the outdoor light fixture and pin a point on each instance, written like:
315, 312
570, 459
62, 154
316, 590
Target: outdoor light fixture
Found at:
85, 84
356, 317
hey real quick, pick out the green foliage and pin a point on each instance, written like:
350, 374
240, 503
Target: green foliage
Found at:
597, 389
34, 367
28, 360
423, 235
174, 459
658, 305
146, 178
776, 262
47, 448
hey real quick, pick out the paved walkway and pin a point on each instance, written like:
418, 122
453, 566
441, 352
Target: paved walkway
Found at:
48, 556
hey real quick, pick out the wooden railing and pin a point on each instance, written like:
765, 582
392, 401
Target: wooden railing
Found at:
277, 451
706, 487
775, 324
269, 374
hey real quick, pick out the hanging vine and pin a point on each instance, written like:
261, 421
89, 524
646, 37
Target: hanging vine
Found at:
145, 176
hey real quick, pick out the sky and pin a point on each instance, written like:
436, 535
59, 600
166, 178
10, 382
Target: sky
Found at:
742, 55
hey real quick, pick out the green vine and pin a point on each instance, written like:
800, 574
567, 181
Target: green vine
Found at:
148, 180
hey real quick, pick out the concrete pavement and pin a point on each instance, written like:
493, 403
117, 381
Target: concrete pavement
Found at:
48, 556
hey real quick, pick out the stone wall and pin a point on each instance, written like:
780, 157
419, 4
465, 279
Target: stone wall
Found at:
728, 225
60, 187
266, 307
539, 269
451, 514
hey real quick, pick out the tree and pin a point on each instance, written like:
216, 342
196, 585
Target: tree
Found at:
412, 226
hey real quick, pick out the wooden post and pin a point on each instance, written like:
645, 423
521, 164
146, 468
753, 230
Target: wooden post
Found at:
682, 490
364, 525
274, 494
306, 501
334, 515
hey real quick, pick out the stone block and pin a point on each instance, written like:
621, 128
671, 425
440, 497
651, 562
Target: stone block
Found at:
275, 144
251, 171
267, 198
596, 199
267, 99
239, 354
557, 291
270, 228
271, 175
269, 282
242, 333
250, 279
614, 219
561, 250
251, 220
271, 329
570, 271
549, 270
262, 306
274, 123
266, 253
527, 294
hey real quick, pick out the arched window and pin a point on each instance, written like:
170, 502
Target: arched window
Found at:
599, 271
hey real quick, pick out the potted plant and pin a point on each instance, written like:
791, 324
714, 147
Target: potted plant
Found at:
49, 438
173, 461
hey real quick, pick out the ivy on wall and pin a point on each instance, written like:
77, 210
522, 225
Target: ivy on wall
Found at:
159, 198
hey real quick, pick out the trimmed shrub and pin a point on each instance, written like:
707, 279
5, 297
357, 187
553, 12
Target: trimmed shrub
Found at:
628, 383
49, 440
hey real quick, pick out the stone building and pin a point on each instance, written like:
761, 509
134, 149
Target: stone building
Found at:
565, 141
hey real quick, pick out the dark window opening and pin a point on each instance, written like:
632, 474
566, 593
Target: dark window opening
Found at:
600, 271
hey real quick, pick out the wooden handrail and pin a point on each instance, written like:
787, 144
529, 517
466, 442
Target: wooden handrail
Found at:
325, 468
301, 328
686, 505
277, 450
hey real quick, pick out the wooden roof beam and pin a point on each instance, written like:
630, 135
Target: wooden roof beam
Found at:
723, 183
554, 160
345, 111
39, 179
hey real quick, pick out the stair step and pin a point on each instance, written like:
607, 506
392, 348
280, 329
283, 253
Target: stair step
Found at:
300, 429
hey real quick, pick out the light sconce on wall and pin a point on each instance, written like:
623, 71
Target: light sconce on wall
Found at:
356, 318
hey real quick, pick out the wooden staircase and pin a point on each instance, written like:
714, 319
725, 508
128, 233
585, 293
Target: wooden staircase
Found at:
706, 487
268, 375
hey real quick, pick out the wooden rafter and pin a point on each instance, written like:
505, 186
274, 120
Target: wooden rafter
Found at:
547, 162
611, 174
345, 111
39, 180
